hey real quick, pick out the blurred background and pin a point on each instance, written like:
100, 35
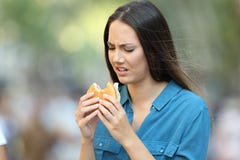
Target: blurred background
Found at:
52, 50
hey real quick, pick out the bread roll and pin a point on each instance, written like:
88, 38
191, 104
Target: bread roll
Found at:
110, 89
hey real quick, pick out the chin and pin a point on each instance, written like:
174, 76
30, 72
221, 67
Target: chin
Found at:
123, 80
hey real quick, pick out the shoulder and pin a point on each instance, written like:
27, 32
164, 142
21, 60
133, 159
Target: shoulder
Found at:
190, 98
194, 103
184, 102
174, 97
191, 106
186, 97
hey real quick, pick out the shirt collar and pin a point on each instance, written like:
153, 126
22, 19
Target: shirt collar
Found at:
124, 94
166, 95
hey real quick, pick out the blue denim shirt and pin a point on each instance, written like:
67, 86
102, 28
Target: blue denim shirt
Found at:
177, 127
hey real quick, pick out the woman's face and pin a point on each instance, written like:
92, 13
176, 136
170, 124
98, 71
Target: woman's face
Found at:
126, 54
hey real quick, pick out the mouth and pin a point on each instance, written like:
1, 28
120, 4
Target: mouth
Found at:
121, 71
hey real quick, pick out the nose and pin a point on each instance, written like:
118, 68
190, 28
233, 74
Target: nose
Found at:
118, 58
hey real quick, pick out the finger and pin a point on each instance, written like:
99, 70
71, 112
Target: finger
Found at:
86, 96
89, 101
87, 110
86, 100
82, 112
109, 106
106, 113
86, 105
83, 121
104, 120
114, 101
109, 98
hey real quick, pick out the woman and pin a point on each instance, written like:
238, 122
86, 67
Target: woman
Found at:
158, 116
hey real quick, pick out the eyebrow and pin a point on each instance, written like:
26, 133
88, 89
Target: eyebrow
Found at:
122, 45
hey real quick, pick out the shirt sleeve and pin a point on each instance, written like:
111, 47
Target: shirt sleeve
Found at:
194, 144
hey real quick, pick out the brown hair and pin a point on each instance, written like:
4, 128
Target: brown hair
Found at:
154, 35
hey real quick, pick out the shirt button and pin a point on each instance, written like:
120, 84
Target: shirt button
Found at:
100, 144
161, 150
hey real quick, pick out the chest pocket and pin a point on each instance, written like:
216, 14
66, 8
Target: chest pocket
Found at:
161, 150
106, 148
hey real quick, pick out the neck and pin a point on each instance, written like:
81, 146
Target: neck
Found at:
142, 94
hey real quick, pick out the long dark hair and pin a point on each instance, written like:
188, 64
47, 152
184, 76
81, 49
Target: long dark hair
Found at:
154, 35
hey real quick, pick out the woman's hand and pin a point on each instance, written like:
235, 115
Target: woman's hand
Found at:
114, 118
86, 116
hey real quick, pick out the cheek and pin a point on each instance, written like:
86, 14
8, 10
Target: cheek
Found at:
139, 60
141, 63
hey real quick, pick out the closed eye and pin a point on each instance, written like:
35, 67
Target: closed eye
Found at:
110, 46
129, 49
